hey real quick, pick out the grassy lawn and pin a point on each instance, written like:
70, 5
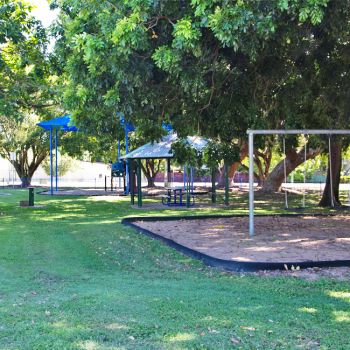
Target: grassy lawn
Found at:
73, 277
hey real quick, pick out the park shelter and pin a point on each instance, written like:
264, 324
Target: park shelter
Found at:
54, 126
128, 128
158, 150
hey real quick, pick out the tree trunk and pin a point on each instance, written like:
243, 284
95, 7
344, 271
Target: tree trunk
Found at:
25, 181
150, 167
336, 159
262, 160
275, 179
233, 168
150, 182
24, 169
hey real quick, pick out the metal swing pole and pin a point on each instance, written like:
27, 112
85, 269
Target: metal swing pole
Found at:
251, 184
304, 190
330, 169
285, 174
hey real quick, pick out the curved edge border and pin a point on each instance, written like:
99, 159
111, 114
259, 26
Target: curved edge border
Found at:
228, 265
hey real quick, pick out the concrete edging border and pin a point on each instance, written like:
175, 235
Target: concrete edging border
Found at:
229, 265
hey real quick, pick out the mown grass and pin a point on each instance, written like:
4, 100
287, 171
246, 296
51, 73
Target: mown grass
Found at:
73, 277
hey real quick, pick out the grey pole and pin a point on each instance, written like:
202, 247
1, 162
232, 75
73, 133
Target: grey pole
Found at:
251, 184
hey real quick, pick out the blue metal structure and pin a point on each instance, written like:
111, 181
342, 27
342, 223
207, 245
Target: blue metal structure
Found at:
55, 125
128, 127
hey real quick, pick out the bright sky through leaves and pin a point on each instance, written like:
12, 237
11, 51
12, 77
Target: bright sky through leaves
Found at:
43, 12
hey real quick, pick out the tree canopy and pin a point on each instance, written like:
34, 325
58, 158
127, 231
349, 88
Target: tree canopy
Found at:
27, 88
209, 67
213, 67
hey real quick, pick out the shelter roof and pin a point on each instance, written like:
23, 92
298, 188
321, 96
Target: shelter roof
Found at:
61, 123
162, 148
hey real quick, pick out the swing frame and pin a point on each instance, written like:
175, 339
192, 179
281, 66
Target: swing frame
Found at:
252, 132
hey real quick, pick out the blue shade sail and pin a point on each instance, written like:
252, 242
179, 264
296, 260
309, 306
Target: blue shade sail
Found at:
61, 123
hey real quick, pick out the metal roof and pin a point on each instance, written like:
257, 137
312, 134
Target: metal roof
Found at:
61, 123
162, 148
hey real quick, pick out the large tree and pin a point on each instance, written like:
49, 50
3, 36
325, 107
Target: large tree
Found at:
214, 68
26, 89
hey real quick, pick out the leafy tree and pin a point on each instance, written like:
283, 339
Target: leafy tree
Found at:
210, 67
26, 88
65, 164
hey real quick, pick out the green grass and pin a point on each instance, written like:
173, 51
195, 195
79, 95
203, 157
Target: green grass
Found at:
73, 277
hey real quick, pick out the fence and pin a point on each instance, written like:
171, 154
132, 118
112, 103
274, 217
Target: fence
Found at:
93, 182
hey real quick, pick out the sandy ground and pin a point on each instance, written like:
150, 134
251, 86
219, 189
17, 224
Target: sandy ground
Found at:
277, 239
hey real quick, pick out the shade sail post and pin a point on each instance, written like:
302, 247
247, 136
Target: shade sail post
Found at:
127, 185
56, 157
51, 165
62, 123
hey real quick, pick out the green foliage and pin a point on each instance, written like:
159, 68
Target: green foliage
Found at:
186, 35
216, 152
214, 68
27, 88
185, 154
65, 164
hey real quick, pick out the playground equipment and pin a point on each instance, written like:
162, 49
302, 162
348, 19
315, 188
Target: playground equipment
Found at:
54, 126
128, 127
118, 170
251, 134
286, 205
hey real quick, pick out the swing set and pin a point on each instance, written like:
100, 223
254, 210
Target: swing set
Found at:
251, 134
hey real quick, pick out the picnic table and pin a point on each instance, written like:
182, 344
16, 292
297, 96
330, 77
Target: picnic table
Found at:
174, 197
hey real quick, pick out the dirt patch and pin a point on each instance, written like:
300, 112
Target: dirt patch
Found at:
277, 239
310, 274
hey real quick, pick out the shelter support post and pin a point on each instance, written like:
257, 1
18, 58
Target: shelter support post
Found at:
226, 184
185, 176
168, 171
213, 185
56, 157
51, 165
131, 181
139, 188
251, 184
192, 181
188, 198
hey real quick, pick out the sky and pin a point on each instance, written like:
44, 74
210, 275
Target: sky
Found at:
43, 12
